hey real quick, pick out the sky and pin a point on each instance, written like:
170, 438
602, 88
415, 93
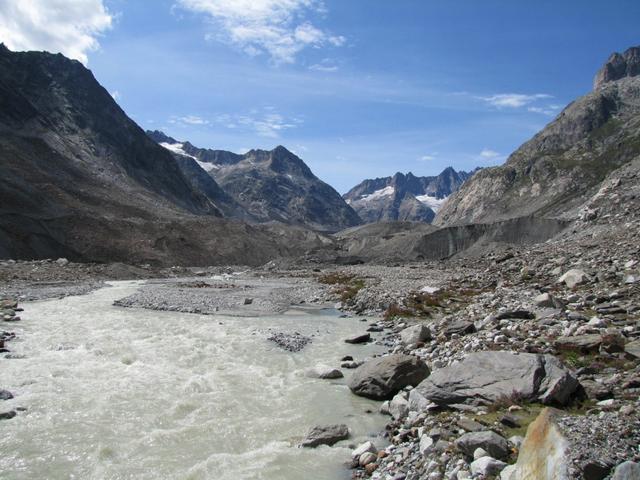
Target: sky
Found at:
356, 88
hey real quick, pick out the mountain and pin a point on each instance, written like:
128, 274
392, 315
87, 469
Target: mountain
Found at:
564, 165
404, 197
80, 179
273, 185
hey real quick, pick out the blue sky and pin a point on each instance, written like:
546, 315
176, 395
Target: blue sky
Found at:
357, 88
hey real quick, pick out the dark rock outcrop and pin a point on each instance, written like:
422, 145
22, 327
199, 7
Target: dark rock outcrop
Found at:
619, 66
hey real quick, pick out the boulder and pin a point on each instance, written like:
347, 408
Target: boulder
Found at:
399, 406
367, 458
5, 395
460, 327
415, 334
489, 441
573, 278
486, 377
359, 338
383, 377
487, 467
543, 452
546, 300
627, 471
325, 435
364, 448
633, 348
324, 372
582, 343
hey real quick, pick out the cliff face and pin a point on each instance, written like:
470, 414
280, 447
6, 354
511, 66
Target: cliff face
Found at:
556, 171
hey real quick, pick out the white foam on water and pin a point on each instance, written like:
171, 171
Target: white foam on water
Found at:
139, 394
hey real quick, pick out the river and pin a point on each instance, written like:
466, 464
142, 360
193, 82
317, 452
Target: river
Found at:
116, 393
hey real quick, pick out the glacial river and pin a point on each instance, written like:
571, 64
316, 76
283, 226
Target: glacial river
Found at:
115, 393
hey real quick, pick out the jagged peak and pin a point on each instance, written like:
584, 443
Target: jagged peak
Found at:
618, 66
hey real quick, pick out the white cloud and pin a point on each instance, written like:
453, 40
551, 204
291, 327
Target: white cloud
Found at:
60, 26
549, 110
193, 120
273, 27
489, 154
265, 123
326, 65
427, 158
513, 100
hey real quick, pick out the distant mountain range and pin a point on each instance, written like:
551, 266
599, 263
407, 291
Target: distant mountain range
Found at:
273, 185
404, 197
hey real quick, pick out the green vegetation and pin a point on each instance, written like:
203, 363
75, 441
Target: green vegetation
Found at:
347, 285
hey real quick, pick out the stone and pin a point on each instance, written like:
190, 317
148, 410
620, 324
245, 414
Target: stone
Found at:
8, 415
5, 395
458, 327
486, 377
633, 348
367, 458
364, 448
543, 452
487, 466
515, 314
627, 471
399, 406
415, 334
248, 301
581, 343
546, 300
489, 441
573, 278
383, 377
510, 421
324, 372
470, 425
364, 338
596, 470
62, 262
426, 444
479, 453
325, 435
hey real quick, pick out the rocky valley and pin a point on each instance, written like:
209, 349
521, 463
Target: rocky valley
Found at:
469, 325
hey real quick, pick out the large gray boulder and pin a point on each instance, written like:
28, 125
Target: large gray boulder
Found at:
489, 441
627, 471
415, 334
485, 377
383, 377
325, 435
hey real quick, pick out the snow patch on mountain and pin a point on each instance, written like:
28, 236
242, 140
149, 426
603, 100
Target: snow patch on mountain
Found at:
177, 149
383, 192
433, 203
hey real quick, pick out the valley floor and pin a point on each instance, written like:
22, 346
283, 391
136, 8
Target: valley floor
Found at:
502, 299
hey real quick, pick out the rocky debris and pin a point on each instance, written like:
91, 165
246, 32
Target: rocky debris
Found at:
324, 372
291, 342
383, 377
325, 435
487, 377
415, 334
364, 338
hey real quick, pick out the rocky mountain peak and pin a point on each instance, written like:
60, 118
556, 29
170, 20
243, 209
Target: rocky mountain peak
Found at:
619, 66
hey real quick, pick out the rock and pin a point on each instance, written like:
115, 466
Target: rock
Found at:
415, 334
581, 343
8, 415
546, 300
383, 377
367, 458
543, 453
489, 441
399, 406
364, 448
325, 435
487, 466
618, 66
8, 304
573, 278
5, 395
62, 262
516, 314
426, 443
479, 453
510, 421
633, 348
248, 301
359, 338
324, 372
459, 327
627, 471
470, 425
486, 377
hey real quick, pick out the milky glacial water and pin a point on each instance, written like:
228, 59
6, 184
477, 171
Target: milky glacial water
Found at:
114, 393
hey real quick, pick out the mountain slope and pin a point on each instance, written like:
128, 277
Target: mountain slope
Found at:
82, 180
404, 197
555, 172
273, 185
